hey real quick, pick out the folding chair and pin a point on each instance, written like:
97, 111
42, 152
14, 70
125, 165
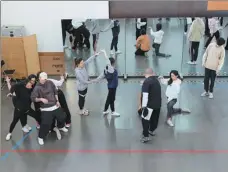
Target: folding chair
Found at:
6, 72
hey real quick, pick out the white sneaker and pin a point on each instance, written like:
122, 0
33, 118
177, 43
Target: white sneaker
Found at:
190, 63
40, 141
67, 125
185, 111
64, 129
204, 94
105, 112
115, 114
195, 63
211, 96
85, 112
25, 129
28, 127
118, 52
111, 52
58, 134
170, 123
8, 136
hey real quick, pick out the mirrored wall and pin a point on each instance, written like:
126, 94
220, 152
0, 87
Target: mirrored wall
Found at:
163, 44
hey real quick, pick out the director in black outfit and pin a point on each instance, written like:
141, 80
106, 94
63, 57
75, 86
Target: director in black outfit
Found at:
151, 99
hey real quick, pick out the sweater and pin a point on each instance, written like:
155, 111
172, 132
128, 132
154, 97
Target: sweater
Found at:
82, 77
143, 42
196, 30
158, 36
173, 90
214, 57
213, 24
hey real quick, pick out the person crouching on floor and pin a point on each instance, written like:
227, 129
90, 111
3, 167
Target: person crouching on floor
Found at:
46, 93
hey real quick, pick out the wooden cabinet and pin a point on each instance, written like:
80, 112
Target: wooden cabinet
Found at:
21, 54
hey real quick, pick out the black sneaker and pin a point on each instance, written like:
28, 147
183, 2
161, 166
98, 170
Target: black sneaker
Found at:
145, 139
152, 133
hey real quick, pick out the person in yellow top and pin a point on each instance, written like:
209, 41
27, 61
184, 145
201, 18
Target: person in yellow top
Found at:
142, 44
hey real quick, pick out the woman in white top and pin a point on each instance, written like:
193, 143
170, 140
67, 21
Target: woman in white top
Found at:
172, 94
158, 38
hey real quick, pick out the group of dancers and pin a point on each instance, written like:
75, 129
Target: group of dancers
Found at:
80, 34
51, 110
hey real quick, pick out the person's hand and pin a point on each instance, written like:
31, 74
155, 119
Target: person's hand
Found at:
97, 53
140, 107
160, 77
217, 72
9, 95
62, 77
44, 101
58, 104
7, 79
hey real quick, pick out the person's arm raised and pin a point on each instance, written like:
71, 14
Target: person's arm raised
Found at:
90, 59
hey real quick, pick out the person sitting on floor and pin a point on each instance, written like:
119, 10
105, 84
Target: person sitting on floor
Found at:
142, 44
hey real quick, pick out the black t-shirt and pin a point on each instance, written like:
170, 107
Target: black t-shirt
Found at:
22, 100
152, 86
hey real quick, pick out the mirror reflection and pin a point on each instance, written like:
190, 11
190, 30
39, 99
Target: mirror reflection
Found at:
83, 38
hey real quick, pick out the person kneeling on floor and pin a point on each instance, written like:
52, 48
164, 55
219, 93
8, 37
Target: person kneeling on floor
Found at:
46, 93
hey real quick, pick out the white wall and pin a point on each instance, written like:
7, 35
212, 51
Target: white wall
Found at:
43, 18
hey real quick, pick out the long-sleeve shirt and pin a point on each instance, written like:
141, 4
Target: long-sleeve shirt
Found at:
214, 57
21, 99
57, 83
139, 23
47, 91
173, 90
82, 77
213, 24
196, 30
158, 36
143, 42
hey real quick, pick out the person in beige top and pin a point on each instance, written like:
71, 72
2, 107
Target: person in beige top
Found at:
195, 34
213, 60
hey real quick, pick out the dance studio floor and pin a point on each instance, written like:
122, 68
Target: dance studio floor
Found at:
198, 142
174, 43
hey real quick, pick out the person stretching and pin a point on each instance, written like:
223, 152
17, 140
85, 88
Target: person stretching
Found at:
82, 80
111, 74
158, 38
172, 94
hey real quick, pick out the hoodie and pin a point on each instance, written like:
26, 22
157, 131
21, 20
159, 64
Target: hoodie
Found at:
47, 91
111, 74
82, 77
173, 90
196, 30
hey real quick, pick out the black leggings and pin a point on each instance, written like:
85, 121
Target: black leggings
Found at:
216, 34
20, 115
47, 118
209, 75
81, 98
171, 110
194, 50
64, 106
157, 50
95, 39
140, 52
110, 99
114, 43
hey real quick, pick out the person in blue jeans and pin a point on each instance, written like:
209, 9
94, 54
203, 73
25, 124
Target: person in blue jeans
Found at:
111, 75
